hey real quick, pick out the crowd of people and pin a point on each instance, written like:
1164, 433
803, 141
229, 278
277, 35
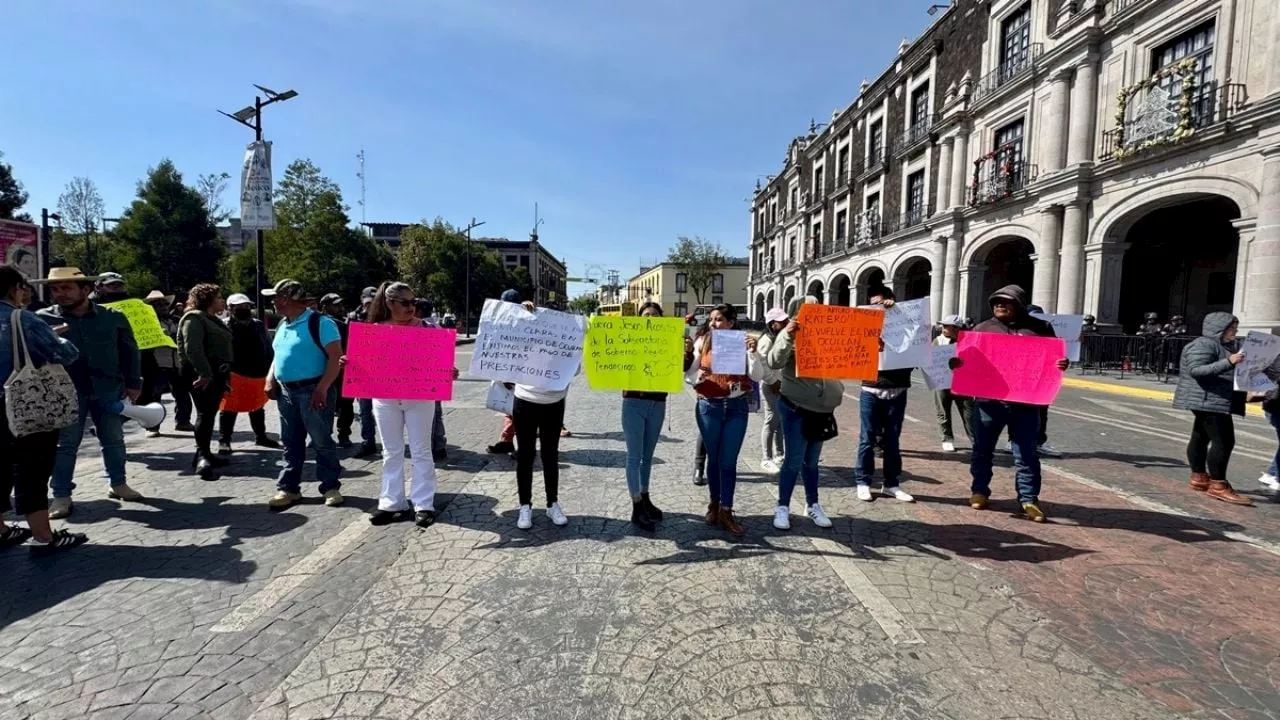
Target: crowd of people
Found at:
224, 362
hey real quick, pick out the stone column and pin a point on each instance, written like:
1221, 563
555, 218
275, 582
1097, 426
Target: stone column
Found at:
1084, 113
963, 308
1075, 233
960, 169
951, 276
943, 193
1055, 126
1262, 271
937, 277
1044, 285
1245, 230
1104, 266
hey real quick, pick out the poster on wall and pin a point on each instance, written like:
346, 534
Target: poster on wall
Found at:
20, 246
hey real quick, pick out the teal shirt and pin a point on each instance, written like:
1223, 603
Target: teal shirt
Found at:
297, 355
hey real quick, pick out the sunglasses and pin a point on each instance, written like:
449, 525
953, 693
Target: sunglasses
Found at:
403, 303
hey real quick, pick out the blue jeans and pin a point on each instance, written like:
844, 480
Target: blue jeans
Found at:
641, 426
1274, 470
723, 425
881, 422
298, 421
368, 426
802, 457
110, 429
990, 417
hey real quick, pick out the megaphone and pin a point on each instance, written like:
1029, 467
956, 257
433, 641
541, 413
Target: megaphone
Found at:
148, 416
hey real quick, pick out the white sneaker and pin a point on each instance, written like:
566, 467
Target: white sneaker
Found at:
525, 521
948, 446
782, 517
1270, 481
819, 517
864, 492
897, 493
1048, 450
557, 515
770, 467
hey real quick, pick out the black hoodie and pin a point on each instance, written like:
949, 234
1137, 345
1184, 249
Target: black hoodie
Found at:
1022, 323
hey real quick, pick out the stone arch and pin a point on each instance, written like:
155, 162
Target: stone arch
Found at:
1113, 225
771, 300
788, 295
759, 309
912, 277
872, 274
817, 289
840, 288
981, 244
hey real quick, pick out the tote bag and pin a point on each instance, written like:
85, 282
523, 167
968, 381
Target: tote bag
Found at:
37, 399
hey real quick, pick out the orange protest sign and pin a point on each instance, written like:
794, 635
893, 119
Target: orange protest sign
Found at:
838, 343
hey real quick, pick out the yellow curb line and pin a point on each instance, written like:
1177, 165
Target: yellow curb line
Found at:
1144, 393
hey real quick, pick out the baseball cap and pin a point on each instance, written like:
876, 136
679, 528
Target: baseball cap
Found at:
110, 278
288, 289
953, 321
776, 315
368, 294
239, 299
331, 299
511, 296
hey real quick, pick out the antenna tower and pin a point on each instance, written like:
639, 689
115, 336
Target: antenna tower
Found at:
360, 175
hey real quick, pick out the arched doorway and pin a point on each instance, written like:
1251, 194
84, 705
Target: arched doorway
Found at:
787, 296
841, 289
816, 289
870, 278
1006, 261
1181, 260
760, 308
913, 280
770, 302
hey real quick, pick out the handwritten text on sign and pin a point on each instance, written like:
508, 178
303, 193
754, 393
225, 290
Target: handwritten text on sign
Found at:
1067, 327
542, 349
147, 330
1260, 351
906, 335
838, 343
1014, 368
394, 362
645, 354
937, 374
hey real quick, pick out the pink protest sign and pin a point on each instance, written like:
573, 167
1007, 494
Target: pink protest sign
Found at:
1015, 368
394, 362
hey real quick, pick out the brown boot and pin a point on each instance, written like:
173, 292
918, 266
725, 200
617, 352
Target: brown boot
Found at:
1199, 482
713, 513
1222, 490
730, 523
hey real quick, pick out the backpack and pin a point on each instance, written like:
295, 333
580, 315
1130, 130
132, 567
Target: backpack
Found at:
313, 325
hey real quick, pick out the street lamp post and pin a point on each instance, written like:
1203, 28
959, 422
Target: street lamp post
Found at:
466, 320
244, 116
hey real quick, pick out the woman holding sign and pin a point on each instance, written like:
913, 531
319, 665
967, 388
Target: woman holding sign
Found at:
724, 371
642, 416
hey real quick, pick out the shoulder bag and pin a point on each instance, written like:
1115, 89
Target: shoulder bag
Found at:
37, 399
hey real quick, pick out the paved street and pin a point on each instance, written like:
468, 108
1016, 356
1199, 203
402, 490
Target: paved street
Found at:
1138, 600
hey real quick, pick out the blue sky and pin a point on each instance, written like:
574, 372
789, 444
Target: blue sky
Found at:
628, 122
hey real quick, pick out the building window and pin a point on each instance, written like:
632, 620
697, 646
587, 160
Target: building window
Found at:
842, 225
875, 144
817, 180
915, 197
1008, 147
1015, 38
511, 260
1196, 45
524, 261
920, 106
873, 203
817, 236
791, 248
842, 163
717, 299
795, 197
682, 283
682, 309
717, 283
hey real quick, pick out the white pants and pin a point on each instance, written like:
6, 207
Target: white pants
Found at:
393, 418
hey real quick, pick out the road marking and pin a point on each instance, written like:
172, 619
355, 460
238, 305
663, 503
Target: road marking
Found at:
1144, 503
878, 606
1162, 434
1119, 407
303, 570
908, 418
1144, 393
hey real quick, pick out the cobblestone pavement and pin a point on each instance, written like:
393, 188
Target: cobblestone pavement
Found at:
202, 604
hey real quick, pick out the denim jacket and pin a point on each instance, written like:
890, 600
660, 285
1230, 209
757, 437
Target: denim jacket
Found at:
44, 345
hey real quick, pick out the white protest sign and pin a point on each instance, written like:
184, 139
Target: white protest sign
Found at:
906, 335
937, 374
542, 349
1067, 327
500, 399
729, 352
1260, 351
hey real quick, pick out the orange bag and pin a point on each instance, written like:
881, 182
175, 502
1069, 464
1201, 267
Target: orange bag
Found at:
246, 395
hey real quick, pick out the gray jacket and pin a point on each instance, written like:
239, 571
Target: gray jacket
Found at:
1205, 375
822, 396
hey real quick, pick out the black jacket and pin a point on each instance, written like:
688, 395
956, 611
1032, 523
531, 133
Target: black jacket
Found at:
251, 348
1022, 324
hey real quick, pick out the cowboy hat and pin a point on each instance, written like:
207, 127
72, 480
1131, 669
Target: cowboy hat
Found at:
63, 274
155, 295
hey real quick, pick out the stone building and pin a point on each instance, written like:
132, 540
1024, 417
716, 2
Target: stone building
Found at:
667, 285
1113, 157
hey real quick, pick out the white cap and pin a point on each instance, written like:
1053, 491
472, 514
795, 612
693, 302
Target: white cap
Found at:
776, 315
239, 299
953, 321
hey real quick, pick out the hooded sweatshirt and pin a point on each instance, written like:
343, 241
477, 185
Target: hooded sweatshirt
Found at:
822, 396
1205, 378
1022, 322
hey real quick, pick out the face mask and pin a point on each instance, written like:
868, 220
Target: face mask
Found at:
243, 313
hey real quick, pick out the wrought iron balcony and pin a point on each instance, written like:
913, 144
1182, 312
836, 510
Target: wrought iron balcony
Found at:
876, 160
1119, 6
866, 228
1150, 125
906, 221
917, 134
1012, 69
996, 179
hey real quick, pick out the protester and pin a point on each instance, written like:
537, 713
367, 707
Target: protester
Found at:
882, 409
539, 424
806, 410
368, 426
990, 417
424, 310
642, 416
723, 406
771, 445
308, 351
1271, 406
179, 384
205, 351
1206, 388
332, 306
108, 369
944, 399
158, 364
27, 462
251, 358
1042, 437
700, 448
110, 288
394, 305
505, 444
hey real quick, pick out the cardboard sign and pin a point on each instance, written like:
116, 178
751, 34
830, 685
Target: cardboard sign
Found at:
398, 362
937, 374
838, 343
1260, 351
1067, 327
1013, 368
729, 352
542, 349
906, 335
147, 330
644, 354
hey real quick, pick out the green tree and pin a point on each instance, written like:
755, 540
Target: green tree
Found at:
521, 281
433, 259
211, 188
584, 304
239, 271
165, 238
299, 191
12, 196
699, 260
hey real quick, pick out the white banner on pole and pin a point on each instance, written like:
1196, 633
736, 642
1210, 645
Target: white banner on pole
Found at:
256, 209
542, 349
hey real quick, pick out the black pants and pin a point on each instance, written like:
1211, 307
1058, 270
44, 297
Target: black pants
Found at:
538, 424
1043, 437
227, 425
180, 386
207, 399
1213, 437
346, 416
26, 463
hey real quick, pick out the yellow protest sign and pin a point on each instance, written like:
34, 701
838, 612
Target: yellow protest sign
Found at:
645, 354
147, 330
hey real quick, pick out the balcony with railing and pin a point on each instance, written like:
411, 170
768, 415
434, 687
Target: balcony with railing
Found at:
840, 184
907, 220
877, 158
1012, 70
866, 228
997, 178
1118, 7
917, 134
1152, 123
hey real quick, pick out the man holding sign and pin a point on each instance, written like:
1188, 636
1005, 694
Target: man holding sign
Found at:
996, 408
883, 406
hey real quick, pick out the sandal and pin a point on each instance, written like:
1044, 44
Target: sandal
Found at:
13, 536
62, 540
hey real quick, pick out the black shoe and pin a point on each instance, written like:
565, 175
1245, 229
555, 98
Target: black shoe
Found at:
367, 450
386, 517
699, 479
439, 456
424, 518
62, 540
649, 508
216, 460
267, 442
14, 535
184, 427
640, 517
206, 470
502, 448
344, 442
